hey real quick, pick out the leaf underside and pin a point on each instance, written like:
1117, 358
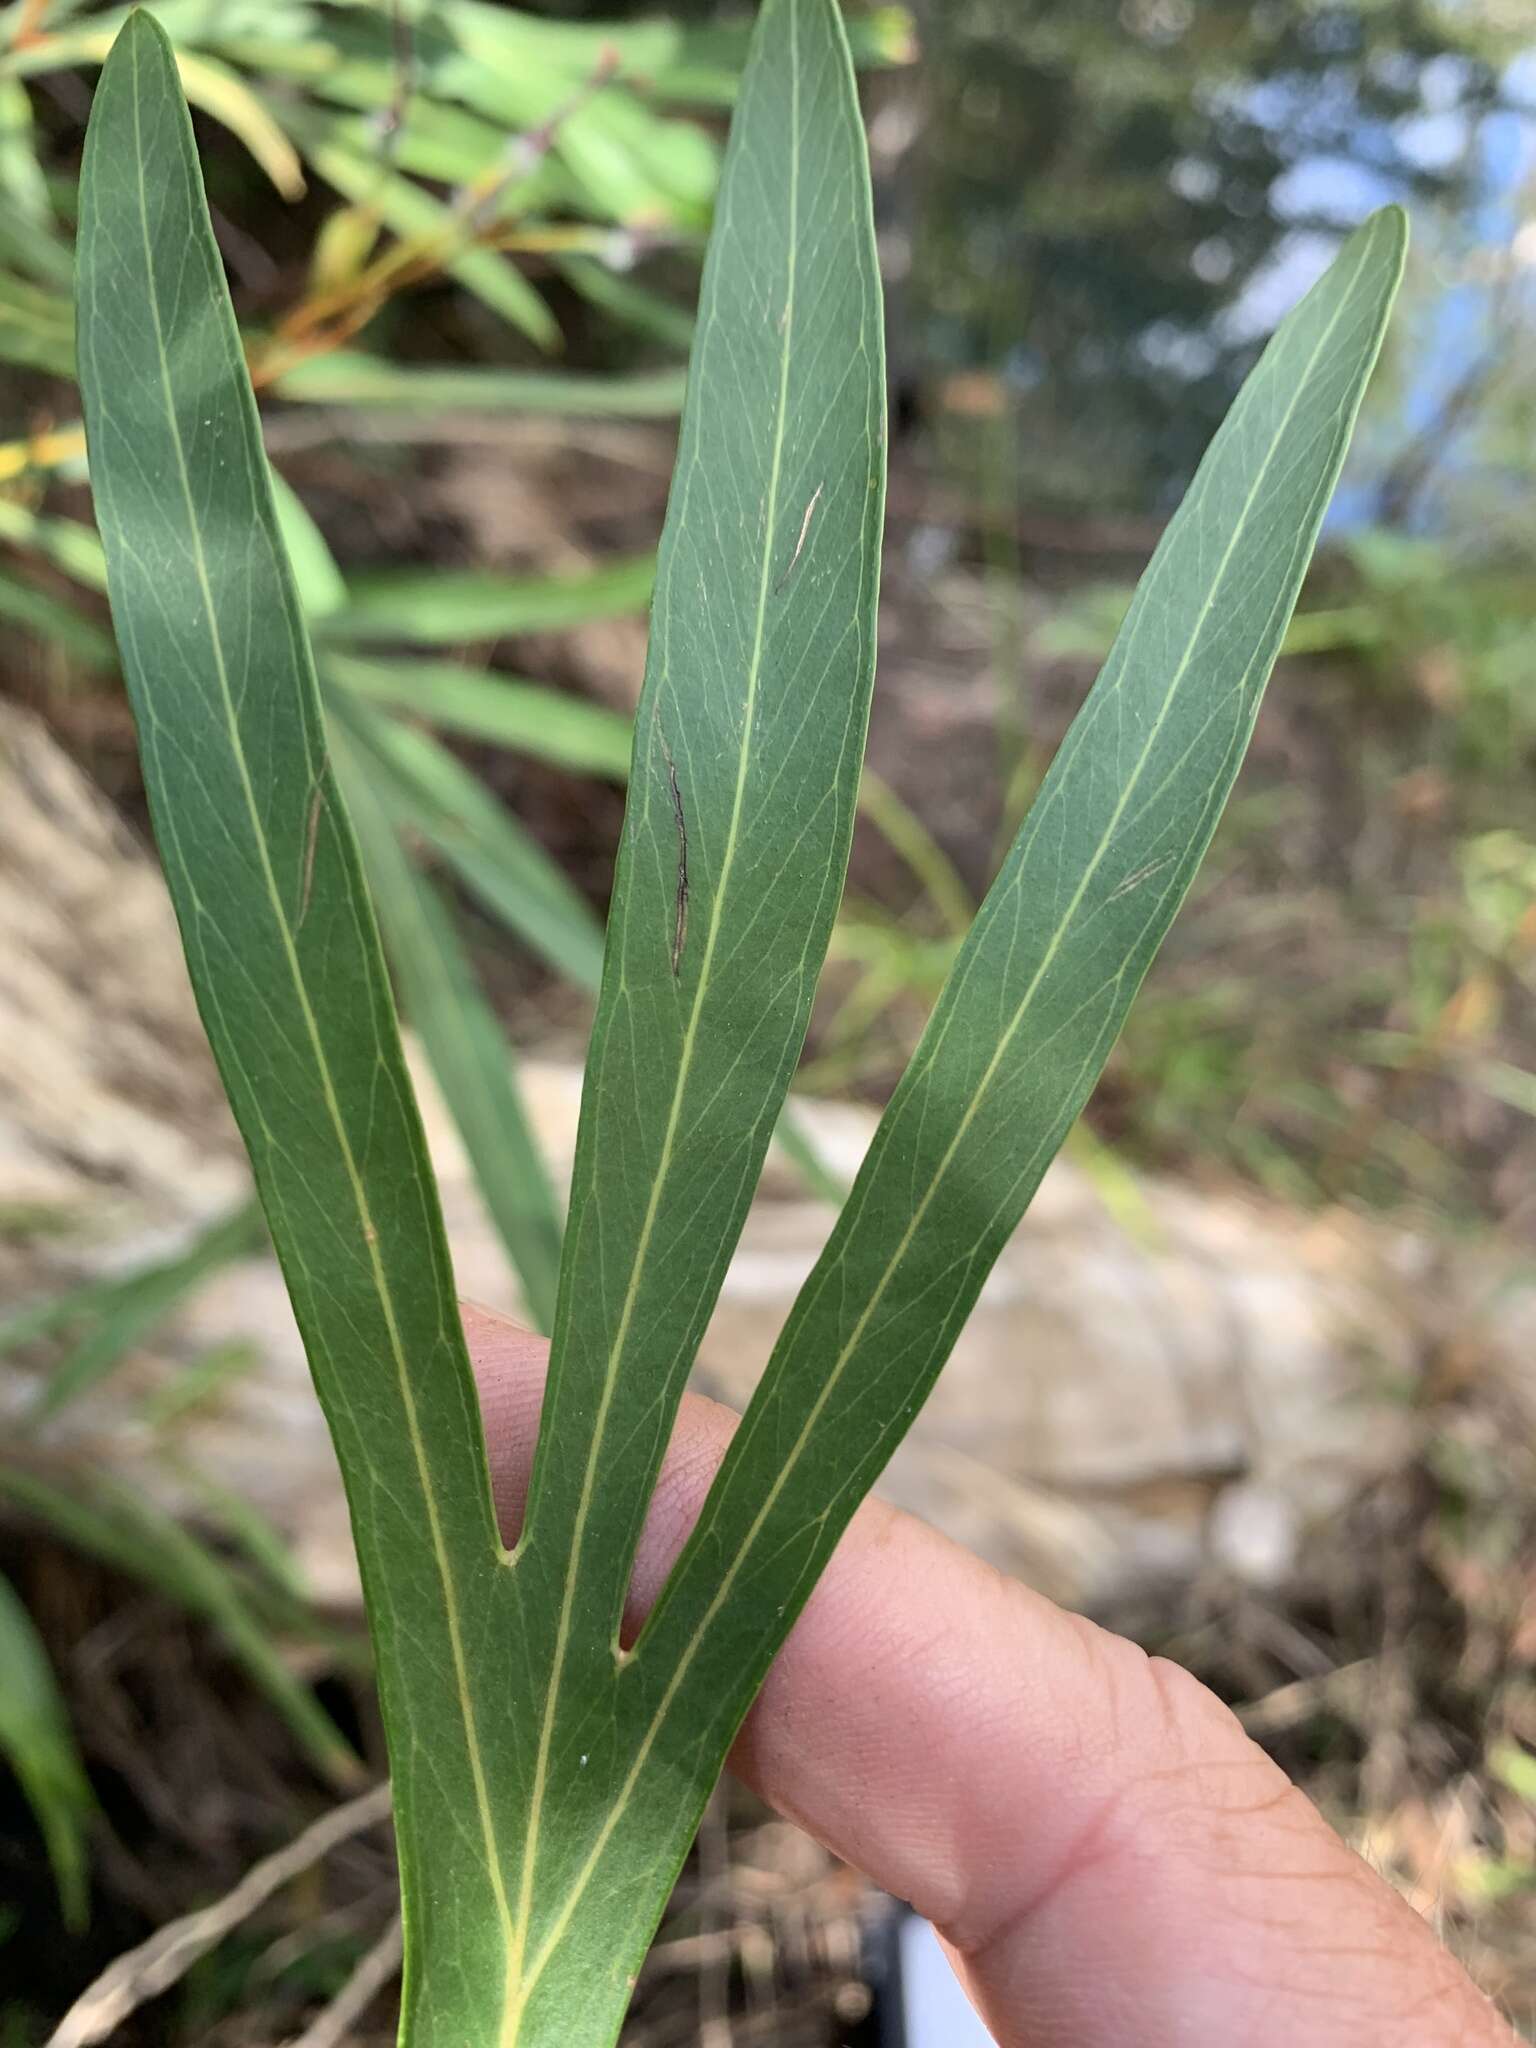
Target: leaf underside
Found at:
547, 1783
286, 967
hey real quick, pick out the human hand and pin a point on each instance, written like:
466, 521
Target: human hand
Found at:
1108, 1857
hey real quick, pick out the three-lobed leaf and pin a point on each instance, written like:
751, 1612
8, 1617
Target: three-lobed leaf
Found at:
546, 1782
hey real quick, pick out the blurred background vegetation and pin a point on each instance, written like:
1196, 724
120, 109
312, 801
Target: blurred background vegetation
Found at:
464, 241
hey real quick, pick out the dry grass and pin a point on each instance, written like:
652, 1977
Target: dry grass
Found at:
1395, 1679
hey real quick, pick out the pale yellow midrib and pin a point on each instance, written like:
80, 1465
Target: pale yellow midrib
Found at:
728, 1579
311, 1025
632, 1292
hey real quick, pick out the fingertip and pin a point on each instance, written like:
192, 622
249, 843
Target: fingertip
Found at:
510, 1362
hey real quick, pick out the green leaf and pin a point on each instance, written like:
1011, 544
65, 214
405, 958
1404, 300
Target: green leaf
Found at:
347, 377
1034, 1003
755, 711
138, 1304
745, 778
416, 215
37, 329
428, 792
64, 542
128, 1532
743, 791
36, 1739
52, 620
551, 725
321, 589
286, 966
632, 164
464, 1042
450, 607
22, 181
629, 304
547, 1783
432, 795
39, 252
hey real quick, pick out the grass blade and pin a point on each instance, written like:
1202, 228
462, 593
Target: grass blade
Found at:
51, 620
36, 1738
207, 83
279, 1584
77, 1305
23, 182
37, 329
315, 574
448, 607
427, 792
626, 303
35, 248
347, 377
138, 1303
130, 1534
467, 1048
551, 725
908, 837
465, 1043
799, 1149
64, 542
225, 95
202, 1380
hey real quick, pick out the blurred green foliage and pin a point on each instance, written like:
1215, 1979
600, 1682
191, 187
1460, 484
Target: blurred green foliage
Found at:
1103, 183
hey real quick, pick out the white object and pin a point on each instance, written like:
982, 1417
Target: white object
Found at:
936, 2012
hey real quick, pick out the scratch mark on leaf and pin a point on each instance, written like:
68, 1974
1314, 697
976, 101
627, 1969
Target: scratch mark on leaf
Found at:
680, 919
805, 527
311, 840
1140, 875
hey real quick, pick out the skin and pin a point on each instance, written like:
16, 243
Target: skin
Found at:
1108, 1856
